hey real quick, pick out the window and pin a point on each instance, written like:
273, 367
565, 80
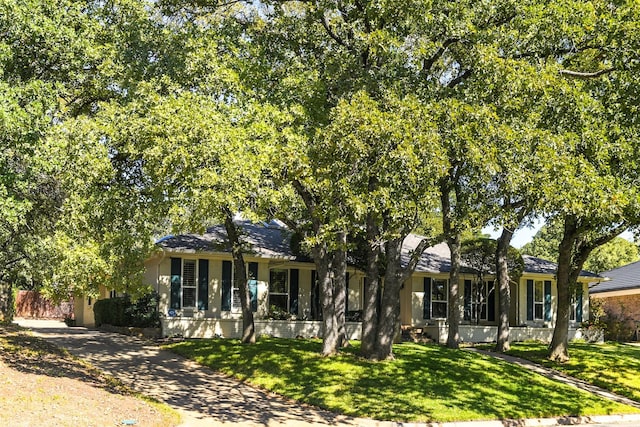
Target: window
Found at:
575, 307
189, 284
439, 291
479, 301
538, 300
279, 289
189, 288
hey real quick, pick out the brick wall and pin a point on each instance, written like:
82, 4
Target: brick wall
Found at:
626, 306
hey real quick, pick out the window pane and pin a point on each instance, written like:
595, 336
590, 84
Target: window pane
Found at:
538, 311
439, 290
189, 273
188, 297
439, 310
279, 301
235, 300
538, 293
278, 282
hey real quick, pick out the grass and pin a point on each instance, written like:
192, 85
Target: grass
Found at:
612, 366
424, 383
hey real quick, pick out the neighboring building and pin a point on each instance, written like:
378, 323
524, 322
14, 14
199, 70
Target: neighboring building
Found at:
621, 293
194, 276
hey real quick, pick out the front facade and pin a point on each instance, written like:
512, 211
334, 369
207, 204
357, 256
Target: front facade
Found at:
194, 277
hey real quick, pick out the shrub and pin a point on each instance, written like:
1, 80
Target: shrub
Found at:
121, 311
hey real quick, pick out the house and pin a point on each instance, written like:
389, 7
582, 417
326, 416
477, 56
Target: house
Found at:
193, 274
620, 293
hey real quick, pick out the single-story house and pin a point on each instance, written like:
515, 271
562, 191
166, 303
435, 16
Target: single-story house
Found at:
620, 293
193, 274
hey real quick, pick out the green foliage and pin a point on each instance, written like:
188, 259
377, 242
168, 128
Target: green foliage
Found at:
611, 366
424, 383
479, 254
122, 311
613, 254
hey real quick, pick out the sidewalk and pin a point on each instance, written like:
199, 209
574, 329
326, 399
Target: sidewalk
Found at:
206, 398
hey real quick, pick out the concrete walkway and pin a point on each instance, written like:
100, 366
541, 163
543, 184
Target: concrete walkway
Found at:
206, 398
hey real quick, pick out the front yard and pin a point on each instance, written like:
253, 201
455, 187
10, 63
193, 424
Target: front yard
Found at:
424, 383
612, 366
42, 385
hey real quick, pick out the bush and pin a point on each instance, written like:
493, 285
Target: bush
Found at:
121, 311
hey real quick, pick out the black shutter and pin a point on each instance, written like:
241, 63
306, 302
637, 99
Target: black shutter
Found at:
579, 303
547, 300
226, 285
467, 300
346, 294
176, 278
253, 285
426, 299
491, 303
316, 311
203, 284
294, 276
529, 299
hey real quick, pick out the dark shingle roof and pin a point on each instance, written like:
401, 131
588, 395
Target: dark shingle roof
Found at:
622, 278
272, 240
265, 240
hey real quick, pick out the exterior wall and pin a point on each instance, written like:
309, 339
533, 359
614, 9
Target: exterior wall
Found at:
624, 306
487, 334
228, 328
83, 307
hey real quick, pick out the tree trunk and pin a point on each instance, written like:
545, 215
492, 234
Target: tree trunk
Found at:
372, 285
6, 302
504, 290
390, 302
340, 288
559, 348
330, 339
453, 338
240, 279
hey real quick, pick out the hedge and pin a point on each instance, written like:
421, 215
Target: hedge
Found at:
121, 311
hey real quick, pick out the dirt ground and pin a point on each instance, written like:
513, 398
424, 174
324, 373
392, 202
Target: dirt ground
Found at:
41, 385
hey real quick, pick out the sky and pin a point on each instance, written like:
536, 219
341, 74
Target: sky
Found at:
521, 236
525, 235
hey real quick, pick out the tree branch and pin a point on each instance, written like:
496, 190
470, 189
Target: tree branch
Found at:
428, 63
461, 77
585, 76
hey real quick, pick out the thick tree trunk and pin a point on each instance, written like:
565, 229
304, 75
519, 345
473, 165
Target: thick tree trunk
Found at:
559, 348
330, 338
390, 301
371, 288
340, 289
453, 338
504, 291
240, 279
6, 302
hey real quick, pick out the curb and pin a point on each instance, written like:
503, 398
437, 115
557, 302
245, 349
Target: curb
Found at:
532, 422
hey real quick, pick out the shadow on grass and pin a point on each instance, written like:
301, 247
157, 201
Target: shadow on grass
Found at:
424, 383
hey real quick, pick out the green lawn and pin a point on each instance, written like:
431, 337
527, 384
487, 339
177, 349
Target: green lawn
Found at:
424, 383
612, 366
